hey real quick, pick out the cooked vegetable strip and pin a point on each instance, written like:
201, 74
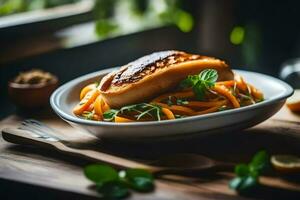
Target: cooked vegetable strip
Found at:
181, 95
86, 89
209, 110
201, 104
98, 106
178, 109
84, 104
221, 89
168, 113
255, 92
226, 83
240, 83
122, 119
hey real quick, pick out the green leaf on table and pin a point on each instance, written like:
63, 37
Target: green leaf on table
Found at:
248, 183
260, 162
247, 175
139, 179
115, 185
243, 184
242, 170
235, 183
100, 174
113, 189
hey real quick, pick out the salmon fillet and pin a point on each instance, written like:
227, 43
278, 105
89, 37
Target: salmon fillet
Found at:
154, 74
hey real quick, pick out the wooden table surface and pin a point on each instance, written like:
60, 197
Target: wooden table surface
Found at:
30, 172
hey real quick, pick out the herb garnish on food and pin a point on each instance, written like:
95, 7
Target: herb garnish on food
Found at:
177, 101
247, 175
113, 184
201, 83
142, 109
88, 115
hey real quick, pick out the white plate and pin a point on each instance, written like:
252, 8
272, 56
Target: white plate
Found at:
275, 91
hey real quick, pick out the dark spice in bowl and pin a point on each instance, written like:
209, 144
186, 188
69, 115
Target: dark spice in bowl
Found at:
32, 89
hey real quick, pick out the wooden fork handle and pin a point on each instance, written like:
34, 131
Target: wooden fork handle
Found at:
24, 137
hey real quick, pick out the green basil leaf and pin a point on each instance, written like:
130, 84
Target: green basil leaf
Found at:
248, 175
235, 183
189, 81
113, 189
140, 180
260, 162
100, 173
243, 184
209, 76
247, 183
199, 90
242, 170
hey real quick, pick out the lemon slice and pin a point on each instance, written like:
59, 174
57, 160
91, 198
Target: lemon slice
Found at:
293, 103
286, 163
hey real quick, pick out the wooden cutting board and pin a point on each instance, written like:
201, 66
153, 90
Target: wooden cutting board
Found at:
47, 171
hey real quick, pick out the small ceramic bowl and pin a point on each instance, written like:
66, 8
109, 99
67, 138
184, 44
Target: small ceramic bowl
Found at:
29, 96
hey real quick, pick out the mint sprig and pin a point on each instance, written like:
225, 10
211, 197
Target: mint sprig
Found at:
201, 83
247, 175
113, 184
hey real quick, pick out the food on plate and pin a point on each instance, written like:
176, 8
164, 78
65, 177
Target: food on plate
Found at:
165, 85
155, 74
293, 103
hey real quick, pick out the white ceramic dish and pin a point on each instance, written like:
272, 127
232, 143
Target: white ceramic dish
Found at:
276, 91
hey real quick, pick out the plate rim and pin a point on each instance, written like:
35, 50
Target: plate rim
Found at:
53, 102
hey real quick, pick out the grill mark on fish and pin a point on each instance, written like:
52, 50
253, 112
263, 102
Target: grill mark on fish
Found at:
146, 65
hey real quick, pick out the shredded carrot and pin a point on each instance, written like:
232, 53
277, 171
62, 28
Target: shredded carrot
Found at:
122, 119
209, 110
184, 94
221, 89
90, 108
86, 89
255, 92
168, 113
84, 104
97, 117
240, 83
200, 104
105, 106
226, 83
98, 106
177, 109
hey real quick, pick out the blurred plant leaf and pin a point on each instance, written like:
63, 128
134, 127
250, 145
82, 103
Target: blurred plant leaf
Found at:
105, 27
